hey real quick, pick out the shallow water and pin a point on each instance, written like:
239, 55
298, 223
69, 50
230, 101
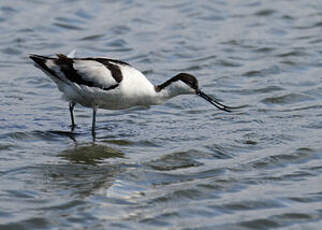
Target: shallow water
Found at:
181, 165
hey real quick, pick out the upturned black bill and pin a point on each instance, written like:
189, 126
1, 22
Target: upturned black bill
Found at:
214, 102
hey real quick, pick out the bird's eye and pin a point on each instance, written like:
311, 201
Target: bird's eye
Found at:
189, 83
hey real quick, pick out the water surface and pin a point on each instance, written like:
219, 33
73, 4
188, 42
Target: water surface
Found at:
181, 165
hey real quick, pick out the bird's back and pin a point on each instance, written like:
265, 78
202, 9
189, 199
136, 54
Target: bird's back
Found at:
101, 82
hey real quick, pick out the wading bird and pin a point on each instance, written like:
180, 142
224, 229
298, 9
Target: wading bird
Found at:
112, 84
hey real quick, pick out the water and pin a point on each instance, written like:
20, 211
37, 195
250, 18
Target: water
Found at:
181, 165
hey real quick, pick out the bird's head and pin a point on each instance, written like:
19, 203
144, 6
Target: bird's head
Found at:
184, 83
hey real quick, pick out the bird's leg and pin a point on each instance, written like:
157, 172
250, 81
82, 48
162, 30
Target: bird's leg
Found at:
93, 122
71, 110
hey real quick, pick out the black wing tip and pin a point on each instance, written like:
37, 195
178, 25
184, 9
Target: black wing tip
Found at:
38, 56
40, 60
34, 56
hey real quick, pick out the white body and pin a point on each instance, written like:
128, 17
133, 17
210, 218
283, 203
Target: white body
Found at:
133, 90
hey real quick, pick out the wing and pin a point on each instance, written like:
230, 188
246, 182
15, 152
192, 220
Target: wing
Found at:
102, 73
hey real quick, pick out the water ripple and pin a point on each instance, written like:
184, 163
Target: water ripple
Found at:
180, 165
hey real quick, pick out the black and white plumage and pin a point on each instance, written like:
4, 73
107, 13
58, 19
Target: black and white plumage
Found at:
112, 84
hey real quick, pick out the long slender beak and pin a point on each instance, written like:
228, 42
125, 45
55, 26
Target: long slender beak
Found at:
214, 101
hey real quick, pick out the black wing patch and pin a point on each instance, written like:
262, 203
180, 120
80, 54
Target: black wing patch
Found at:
110, 65
115, 69
66, 66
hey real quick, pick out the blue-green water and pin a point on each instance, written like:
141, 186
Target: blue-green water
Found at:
181, 165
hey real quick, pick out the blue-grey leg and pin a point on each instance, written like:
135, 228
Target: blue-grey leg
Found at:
71, 110
93, 122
